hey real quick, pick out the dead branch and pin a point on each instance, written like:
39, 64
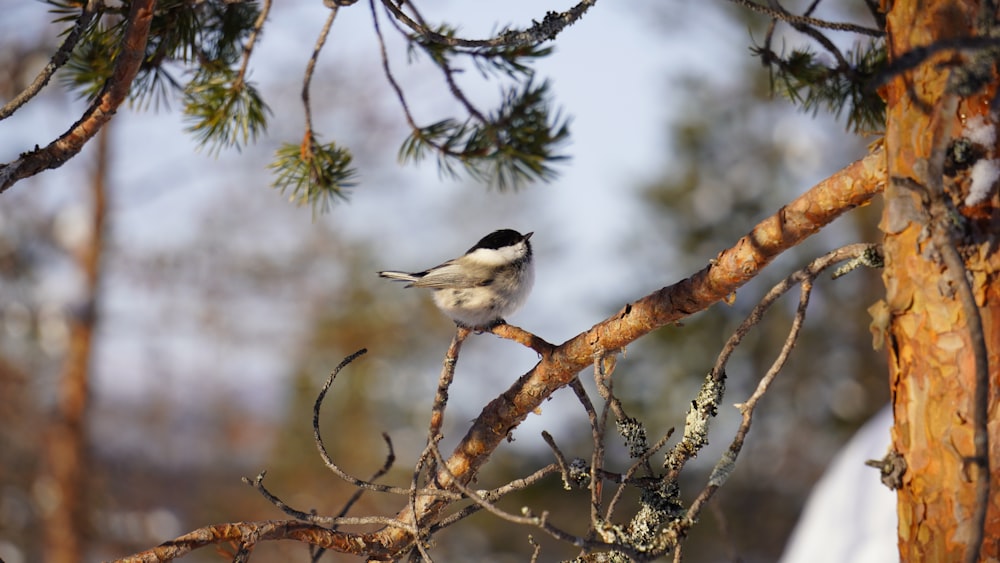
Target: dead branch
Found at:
421, 516
552, 24
804, 278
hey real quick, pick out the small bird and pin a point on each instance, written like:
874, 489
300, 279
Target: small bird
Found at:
478, 289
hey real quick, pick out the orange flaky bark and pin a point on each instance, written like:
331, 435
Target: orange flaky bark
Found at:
931, 366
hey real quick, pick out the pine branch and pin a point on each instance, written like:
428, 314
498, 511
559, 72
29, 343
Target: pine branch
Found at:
101, 109
809, 83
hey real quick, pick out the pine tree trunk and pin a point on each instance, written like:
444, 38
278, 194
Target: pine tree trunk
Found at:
66, 466
930, 334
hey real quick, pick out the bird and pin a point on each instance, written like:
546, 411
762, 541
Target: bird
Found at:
484, 285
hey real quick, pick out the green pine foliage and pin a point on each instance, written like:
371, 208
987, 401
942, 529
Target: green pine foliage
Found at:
847, 87
223, 110
312, 173
197, 52
513, 146
91, 64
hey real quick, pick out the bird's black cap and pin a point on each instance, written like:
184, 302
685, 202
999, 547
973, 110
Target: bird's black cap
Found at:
499, 239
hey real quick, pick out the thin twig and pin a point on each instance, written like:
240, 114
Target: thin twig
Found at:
388, 71
62, 54
560, 459
494, 495
552, 24
781, 14
332, 522
324, 454
444, 382
390, 459
726, 464
803, 277
258, 24
523, 337
425, 457
541, 522
626, 479
132, 52
311, 67
597, 456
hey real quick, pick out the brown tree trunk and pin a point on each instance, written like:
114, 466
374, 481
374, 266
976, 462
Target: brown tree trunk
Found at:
66, 468
931, 335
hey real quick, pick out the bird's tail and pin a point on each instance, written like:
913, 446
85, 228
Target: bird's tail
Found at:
399, 276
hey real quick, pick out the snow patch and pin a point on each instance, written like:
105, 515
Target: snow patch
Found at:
984, 175
980, 131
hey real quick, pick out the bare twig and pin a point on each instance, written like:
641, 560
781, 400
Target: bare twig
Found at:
311, 66
449, 73
333, 522
597, 456
803, 277
390, 459
494, 495
552, 24
258, 24
560, 460
321, 446
388, 71
87, 14
780, 14
626, 479
529, 519
444, 382
100, 111
523, 337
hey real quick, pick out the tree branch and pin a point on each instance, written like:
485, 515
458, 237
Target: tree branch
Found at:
101, 110
58, 60
547, 29
853, 186
783, 15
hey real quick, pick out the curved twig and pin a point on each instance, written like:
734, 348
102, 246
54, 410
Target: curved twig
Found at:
325, 455
311, 66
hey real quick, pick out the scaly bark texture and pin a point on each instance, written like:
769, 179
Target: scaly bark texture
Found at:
932, 370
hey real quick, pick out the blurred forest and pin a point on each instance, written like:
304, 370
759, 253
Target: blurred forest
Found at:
218, 310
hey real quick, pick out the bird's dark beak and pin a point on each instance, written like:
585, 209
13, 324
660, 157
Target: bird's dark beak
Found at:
527, 236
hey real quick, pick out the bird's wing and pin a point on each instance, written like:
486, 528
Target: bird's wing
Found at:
449, 275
